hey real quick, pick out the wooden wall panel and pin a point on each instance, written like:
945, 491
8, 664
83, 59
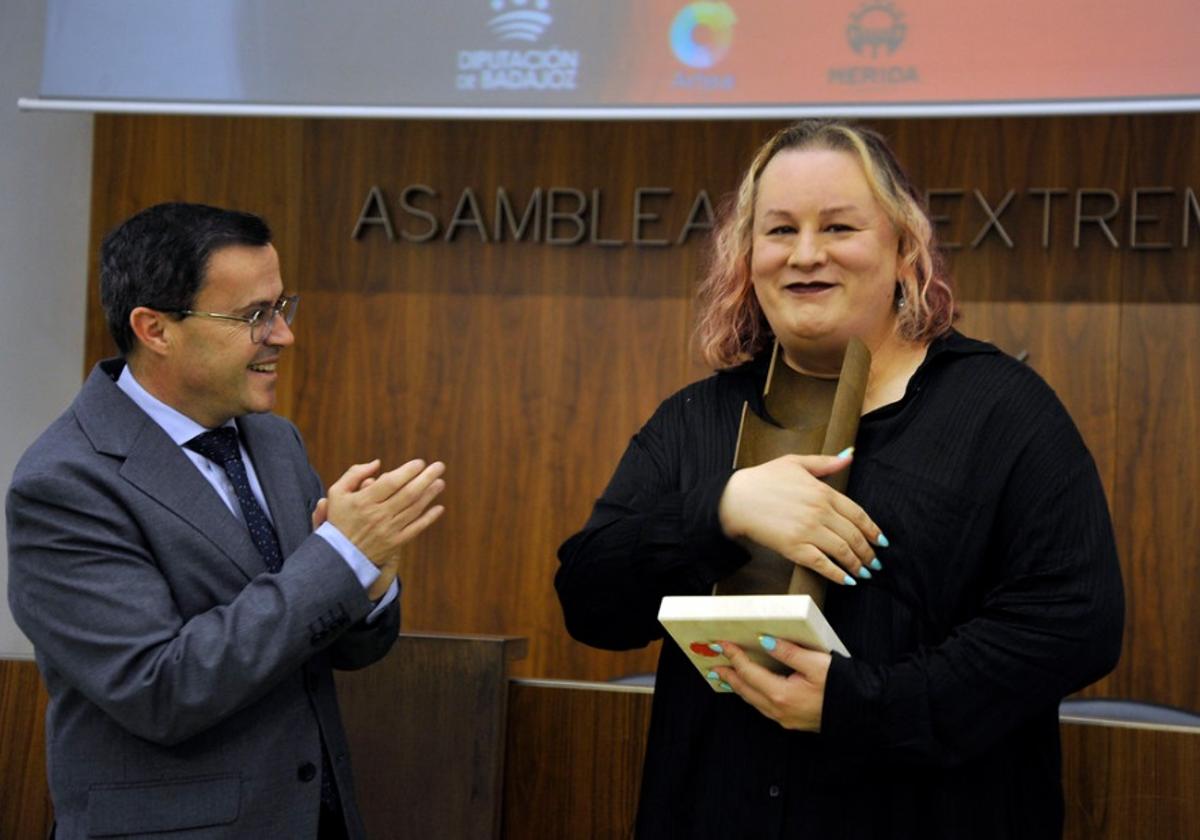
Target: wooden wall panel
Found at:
344, 159
1167, 156
25, 807
573, 762
1122, 781
526, 366
426, 727
529, 436
1159, 510
996, 155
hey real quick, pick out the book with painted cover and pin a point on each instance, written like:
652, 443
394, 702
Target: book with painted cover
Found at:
696, 621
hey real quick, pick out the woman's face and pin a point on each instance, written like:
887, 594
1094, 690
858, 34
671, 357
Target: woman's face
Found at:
824, 255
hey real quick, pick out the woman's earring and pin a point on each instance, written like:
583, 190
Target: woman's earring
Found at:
901, 301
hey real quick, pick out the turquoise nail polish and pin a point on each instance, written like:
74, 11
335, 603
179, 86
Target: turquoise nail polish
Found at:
726, 687
849, 581
876, 565
846, 453
882, 541
716, 648
768, 642
713, 675
864, 573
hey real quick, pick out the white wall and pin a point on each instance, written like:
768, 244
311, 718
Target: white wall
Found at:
45, 193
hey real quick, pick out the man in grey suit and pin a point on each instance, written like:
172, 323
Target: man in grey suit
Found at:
186, 584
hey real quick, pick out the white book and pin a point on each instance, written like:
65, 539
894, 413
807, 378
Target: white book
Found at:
696, 621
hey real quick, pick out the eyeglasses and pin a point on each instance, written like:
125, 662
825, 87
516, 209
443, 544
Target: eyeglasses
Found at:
261, 320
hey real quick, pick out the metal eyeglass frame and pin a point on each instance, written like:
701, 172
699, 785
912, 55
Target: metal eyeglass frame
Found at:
286, 306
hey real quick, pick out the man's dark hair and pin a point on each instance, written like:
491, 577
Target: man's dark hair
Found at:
158, 258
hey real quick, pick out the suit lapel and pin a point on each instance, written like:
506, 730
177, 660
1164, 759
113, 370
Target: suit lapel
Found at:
159, 468
156, 466
273, 450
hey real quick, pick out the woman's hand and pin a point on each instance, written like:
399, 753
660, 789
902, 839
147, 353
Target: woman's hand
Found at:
782, 505
794, 701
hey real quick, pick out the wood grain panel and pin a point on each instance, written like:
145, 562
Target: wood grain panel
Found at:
529, 436
1158, 508
573, 763
1117, 153
1122, 782
344, 159
1166, 154
426, 728
25, 807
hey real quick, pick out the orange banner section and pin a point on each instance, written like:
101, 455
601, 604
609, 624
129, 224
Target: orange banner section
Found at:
764, 52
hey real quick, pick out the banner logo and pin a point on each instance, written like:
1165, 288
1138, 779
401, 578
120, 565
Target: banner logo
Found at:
876, 25
702, 33
520, 24
517, 67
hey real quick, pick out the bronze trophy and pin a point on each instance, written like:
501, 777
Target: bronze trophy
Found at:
806, 415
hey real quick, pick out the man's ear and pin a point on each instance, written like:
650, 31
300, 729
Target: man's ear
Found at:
152, 329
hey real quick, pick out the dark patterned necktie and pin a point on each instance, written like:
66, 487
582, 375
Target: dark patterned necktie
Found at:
221, 447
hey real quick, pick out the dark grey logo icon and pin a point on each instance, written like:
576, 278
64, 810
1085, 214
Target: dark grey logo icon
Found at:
876, 25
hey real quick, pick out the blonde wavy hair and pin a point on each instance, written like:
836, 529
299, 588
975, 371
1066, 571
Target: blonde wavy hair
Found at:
731, 327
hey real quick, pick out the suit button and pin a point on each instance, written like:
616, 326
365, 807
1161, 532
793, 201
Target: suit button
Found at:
306, 772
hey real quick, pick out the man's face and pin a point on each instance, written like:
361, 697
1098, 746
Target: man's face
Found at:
217, 371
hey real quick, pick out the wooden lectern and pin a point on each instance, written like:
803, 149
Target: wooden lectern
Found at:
426, 727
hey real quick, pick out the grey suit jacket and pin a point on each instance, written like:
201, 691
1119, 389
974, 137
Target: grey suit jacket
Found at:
189, 688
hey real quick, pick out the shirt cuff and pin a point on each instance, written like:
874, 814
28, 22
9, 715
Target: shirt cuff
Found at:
366, 571
392, 593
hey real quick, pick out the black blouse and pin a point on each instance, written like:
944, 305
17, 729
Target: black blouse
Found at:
1000, 594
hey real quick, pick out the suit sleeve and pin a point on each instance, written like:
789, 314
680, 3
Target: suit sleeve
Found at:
646, 538
364, 643
1049, 624
86, 589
